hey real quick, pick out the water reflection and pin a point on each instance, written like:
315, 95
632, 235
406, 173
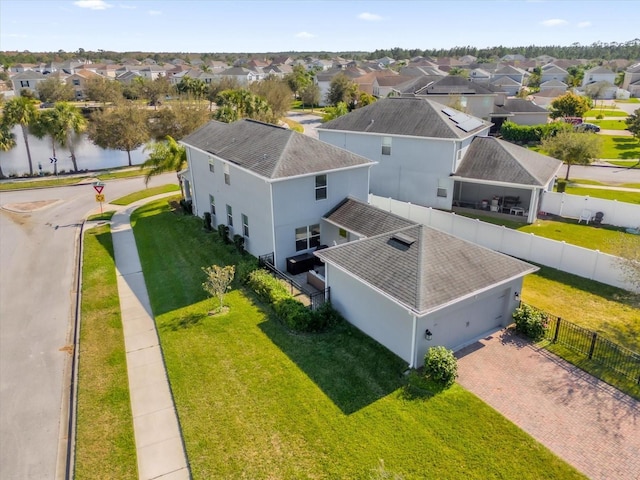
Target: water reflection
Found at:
88, 156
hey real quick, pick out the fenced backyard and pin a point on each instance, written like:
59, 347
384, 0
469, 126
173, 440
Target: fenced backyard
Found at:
313, 299
593, 347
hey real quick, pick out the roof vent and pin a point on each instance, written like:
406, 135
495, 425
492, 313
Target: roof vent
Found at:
403, 239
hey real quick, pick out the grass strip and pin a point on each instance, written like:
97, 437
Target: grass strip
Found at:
256, 401
611, 124
619, 195
48, 182
293, 125
104, 216
147, 192
105, 445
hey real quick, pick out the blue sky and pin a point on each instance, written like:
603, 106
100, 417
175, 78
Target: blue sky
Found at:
329, 25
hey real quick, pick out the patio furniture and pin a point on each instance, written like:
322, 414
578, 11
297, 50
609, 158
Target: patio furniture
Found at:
586, 215
597, 220
516, 211
300, 263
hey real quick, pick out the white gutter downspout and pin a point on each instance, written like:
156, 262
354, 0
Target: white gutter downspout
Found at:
273, 226
413, 343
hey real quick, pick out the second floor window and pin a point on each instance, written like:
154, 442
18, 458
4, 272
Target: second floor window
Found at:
211, 166
245, 225
386, 145
227, 176
229, 216
76, 83
321, 187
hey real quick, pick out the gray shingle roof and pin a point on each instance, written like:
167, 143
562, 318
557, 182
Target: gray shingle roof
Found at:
496, 160
270, 151
454, 85
434, 270
521, 105
417, 117
363, 219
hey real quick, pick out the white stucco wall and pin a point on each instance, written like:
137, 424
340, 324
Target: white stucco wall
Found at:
377, 316
415, 168
295, 206
248, 194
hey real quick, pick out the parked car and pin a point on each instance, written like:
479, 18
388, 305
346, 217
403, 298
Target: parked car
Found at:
587, 127
47, 105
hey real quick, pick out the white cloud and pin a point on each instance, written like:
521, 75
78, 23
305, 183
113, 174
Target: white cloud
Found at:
14, 35
155, 12
554, 22
305, 35
127, 7
370, 17
584, 24
93, 4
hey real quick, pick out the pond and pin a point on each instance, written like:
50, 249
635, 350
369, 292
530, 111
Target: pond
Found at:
88, 156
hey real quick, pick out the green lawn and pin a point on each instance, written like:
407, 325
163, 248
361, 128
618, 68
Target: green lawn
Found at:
256, 401
40, 183
621, 196
617, 147
584, 181
105, 446
148, 192
104, 216
631, 100
606, 112
635, 163
611, 124
293, 125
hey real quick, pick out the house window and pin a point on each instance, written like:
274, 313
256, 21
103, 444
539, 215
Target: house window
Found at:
342, 232
321, 187
211, 166
76, 83
307, 237
24, 83
245, 225
229, 216
212, 205
386, 145
442, 189
227, 177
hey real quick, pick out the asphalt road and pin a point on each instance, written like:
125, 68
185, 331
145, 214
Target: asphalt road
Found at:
610, 175
37, 301
308, 121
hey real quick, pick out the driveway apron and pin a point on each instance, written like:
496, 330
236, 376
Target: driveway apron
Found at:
583, 420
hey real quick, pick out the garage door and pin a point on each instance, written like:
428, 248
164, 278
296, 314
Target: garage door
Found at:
462, 325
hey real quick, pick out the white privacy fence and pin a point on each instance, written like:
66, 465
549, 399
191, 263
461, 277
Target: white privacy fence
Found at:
616, 213
584, 262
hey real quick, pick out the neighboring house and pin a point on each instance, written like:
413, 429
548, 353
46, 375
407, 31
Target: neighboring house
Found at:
418, 144
513, 57
508, 71
553, 72
553, 85
269, 184
323, 80
384, 85
242, 75
127, 77
152, 72
411, 287
598, 74
506, 85
28, 79
480, 76
519, 111
502, 177
631, 81
79, 82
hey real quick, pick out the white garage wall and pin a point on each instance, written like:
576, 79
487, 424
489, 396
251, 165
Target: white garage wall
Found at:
377, 316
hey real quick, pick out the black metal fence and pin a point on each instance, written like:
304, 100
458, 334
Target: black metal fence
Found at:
316, 299
593, 346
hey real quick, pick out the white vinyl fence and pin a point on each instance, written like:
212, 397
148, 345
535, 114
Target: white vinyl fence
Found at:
584, 262
620, 214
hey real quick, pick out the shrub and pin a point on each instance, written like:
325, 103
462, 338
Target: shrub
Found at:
441, 366
530, 322
325, 317
513, 132
223, 231
561, 186
187, 206
207, 221
294, 314
238, 241
268, 288
244, 267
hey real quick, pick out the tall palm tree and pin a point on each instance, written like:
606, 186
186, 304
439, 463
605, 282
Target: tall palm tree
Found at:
7, 140
165, 156
22, 110
69, 123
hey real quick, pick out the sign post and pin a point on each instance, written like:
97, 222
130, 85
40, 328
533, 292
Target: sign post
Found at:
98, 187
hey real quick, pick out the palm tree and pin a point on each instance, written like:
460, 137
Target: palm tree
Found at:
69, 123
45, 125
7, 141
21, 110
165, 156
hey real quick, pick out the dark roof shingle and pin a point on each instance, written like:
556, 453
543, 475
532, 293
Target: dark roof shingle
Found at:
363, 219
269, 150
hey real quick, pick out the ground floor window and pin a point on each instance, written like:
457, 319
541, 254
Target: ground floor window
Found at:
245, 225
307, 237
229, 216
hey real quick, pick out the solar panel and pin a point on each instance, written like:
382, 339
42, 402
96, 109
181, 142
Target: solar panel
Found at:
470, 124
449, 111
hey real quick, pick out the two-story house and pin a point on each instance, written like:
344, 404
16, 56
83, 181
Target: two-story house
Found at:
418, 144
631, 81
269, 184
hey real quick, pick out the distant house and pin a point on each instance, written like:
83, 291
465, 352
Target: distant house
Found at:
323, 79
416, 142
27, 79
553, 85
411, 287
270, 185
519, 111
243, 76
79, 82
553, 72
631, 80
598, 74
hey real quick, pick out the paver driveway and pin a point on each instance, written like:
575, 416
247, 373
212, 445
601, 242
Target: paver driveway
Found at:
588, 423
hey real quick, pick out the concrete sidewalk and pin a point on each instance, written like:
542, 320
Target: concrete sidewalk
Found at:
159, 447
